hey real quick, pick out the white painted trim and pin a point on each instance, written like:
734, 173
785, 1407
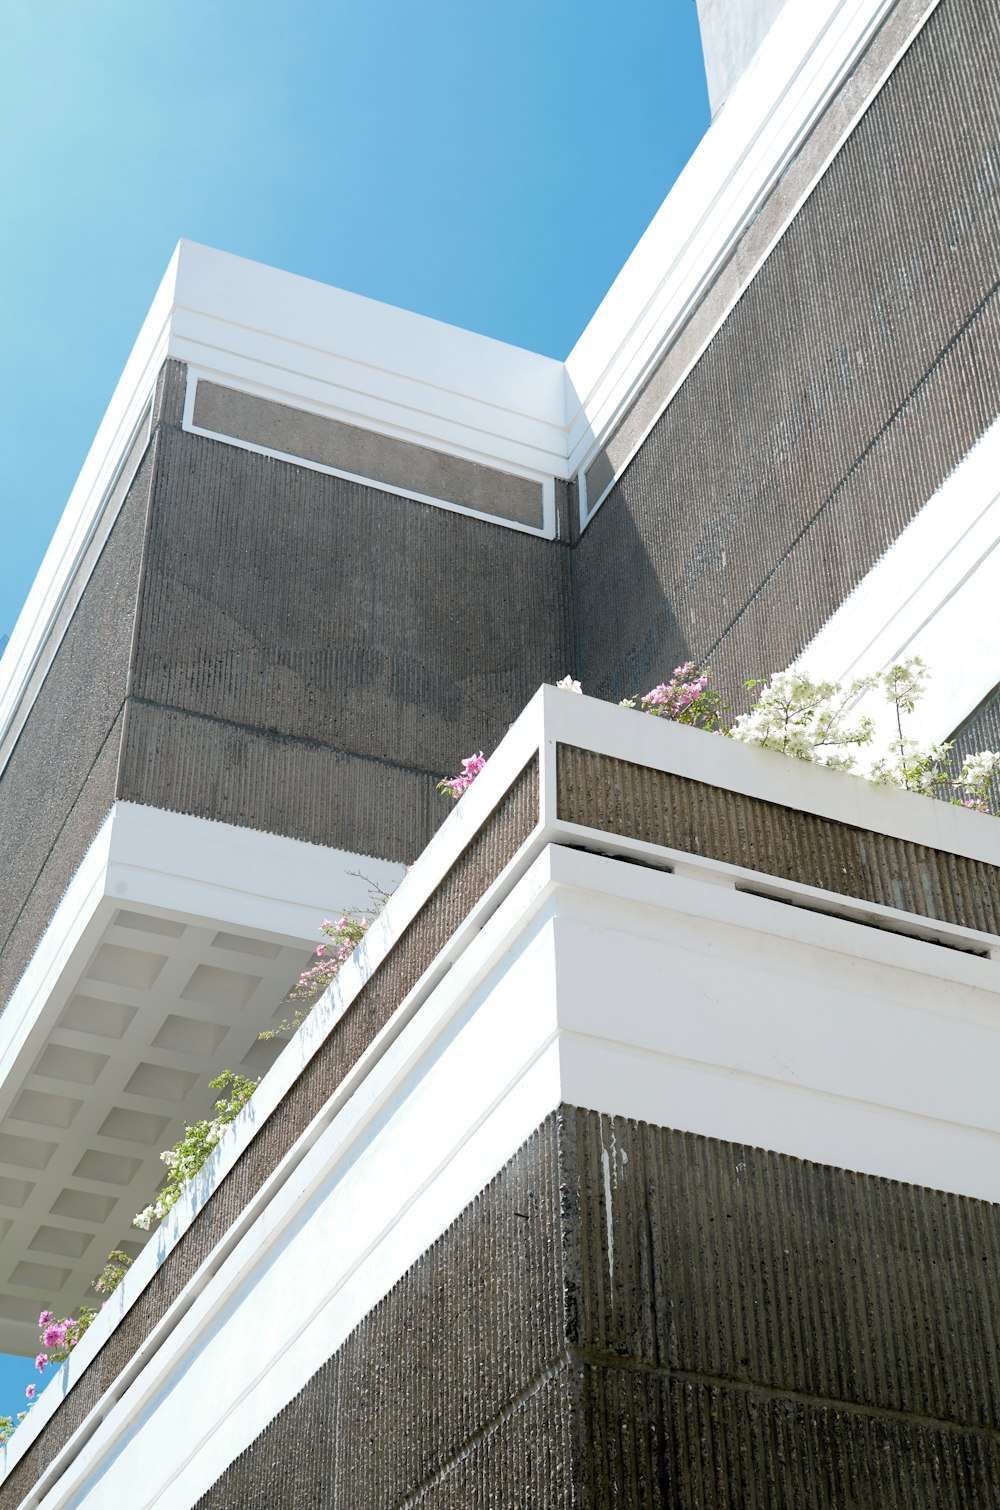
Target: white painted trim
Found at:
369, 363
565, 1058
933, 594
768, 1056
192, 868
698, 888
546, 484
805, 58
223, 892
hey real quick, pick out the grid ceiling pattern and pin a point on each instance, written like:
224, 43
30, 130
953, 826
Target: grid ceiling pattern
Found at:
161, 1007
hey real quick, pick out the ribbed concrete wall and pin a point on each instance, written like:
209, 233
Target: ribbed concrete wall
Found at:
852, 376
634, 1317
618, 797
314, 655
980, 731
60, 780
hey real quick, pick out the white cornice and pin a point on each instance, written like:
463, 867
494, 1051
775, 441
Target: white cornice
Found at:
368, 363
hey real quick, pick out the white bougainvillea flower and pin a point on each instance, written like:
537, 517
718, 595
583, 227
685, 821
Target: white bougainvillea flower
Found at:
569, 685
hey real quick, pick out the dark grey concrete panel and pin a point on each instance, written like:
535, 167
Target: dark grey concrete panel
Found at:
739, 1265
980, 731
170, 394
36, 881
293, 605
60, 780
770, 1335
851, 377
277, 784
618, 797
781, 204
364, 453
660, 1443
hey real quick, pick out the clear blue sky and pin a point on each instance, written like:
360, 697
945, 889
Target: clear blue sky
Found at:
490, 165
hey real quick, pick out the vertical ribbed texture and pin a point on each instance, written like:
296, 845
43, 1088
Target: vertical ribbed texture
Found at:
277, 783
854, 373
618, 797
980, 731
313, 654
418, 946
725, 1262
57, 787
725, 1329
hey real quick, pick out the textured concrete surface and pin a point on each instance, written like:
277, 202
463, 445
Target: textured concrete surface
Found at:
397, 463
312, 654
731, 32
60, 780
617, 797
980, 731
851, 377
295, 627
780, 205
633, 1317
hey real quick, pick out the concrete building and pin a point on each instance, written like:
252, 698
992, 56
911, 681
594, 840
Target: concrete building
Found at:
646, 1154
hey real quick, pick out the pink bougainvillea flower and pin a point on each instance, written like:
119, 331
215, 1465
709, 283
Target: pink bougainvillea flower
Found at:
45, 1318
41, 1362
29, 1393
456, 785
55, 1336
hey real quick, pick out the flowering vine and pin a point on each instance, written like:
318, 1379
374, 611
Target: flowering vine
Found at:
190, 1152
454, 786
811, 720
684, 699
58, 1338
814, 721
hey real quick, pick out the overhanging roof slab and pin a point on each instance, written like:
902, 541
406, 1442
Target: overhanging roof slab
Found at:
173, 948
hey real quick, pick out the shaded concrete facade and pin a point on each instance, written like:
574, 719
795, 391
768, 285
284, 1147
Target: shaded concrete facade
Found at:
629, 1316
627, 1313
851, 378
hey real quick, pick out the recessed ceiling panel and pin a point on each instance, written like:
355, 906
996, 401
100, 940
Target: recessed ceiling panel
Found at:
104, 1019
118, 966
215, 987
46, 1110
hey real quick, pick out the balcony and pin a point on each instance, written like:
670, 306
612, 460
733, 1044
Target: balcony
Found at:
621, 915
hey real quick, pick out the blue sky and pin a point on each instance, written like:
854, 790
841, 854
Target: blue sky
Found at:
490, 165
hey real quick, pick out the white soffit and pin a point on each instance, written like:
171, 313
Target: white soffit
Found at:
934, 594
173, 948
